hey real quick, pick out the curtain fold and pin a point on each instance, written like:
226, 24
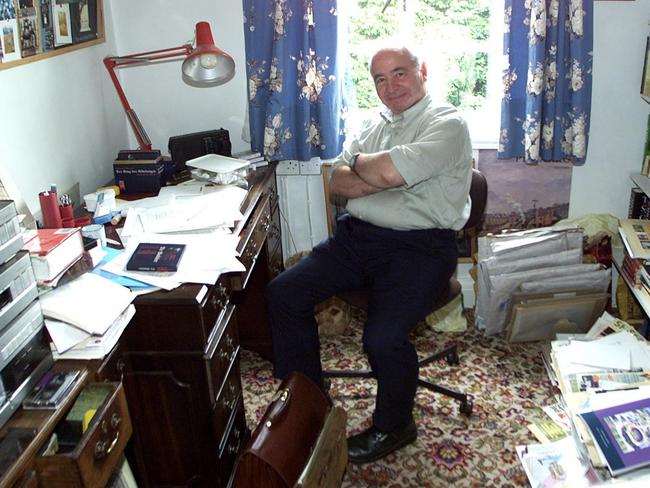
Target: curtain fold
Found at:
297, 103
546, 104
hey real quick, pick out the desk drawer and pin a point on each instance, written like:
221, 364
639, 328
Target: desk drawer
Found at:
226, 401
178, 320
95, 456
252, 240
222, 351
233, 442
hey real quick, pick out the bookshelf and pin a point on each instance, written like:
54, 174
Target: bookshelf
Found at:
640, 293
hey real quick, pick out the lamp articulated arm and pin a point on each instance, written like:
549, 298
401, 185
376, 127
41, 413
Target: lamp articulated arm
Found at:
203, 65
113, 62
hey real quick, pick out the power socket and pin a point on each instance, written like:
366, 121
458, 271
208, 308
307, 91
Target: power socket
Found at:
288, 167
311, 167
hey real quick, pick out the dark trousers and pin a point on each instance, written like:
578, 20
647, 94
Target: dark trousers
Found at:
404, 270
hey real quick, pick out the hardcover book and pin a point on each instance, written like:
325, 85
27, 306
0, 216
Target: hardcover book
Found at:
155, 257
622, 434
52, 251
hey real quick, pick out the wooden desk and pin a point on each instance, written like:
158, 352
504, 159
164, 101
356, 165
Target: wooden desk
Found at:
179, 358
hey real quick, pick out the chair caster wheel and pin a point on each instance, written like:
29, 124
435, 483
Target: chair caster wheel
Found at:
452, 358
466, 407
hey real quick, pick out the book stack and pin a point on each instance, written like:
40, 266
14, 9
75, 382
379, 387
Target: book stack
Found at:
636, 271
255, 159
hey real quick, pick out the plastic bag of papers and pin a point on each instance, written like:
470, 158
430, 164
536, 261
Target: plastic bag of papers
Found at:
540, 260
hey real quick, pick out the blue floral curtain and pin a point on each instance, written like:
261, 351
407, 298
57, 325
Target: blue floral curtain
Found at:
546, 105
295, 78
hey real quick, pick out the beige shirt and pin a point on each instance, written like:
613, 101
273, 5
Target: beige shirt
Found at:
431, 148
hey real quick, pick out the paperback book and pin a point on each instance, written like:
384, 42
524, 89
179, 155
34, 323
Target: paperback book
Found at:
622, 434
51, 390
155, 257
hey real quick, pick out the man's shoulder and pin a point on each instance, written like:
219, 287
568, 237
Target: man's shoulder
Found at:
443, 111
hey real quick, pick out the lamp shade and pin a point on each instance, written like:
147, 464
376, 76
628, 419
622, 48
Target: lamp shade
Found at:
206, 64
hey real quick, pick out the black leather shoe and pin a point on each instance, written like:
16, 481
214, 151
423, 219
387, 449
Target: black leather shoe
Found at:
373, 444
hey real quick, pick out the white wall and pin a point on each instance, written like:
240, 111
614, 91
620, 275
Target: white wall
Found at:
55, 126
618, 115
165, 105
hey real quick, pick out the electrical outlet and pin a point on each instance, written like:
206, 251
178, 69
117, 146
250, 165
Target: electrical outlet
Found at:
288, 167
310, 167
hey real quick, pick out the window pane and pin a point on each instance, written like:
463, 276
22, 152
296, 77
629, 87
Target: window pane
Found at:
456, 38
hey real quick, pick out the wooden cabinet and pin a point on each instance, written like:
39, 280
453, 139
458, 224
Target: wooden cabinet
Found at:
179, 358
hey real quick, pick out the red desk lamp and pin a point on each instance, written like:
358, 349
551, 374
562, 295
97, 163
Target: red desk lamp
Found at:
203, 65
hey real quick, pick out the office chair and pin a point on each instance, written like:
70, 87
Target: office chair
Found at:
359, 298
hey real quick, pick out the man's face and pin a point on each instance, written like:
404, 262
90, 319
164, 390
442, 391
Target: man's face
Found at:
399, 83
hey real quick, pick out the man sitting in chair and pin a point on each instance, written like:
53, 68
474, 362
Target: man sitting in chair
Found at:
406, 178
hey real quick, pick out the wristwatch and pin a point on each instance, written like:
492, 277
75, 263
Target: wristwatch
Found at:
353, 161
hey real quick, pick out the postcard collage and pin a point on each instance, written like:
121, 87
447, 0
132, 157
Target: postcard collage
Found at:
29, 27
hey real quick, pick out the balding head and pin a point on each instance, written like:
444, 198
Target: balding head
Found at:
399, 78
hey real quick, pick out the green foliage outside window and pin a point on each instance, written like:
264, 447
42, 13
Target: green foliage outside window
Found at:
451, 33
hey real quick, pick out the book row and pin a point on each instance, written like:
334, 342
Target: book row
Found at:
639, 207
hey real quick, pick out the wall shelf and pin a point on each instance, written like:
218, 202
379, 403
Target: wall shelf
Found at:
63, 49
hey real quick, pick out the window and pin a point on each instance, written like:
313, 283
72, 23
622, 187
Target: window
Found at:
460, 41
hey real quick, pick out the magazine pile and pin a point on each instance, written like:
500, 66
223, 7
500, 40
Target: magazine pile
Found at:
604, 378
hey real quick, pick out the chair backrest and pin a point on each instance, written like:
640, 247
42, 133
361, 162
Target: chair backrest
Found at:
478, 191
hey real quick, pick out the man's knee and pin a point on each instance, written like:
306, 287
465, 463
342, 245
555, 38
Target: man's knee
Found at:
285, 292
385, 346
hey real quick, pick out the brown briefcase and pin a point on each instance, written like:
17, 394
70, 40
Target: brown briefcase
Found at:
297, 427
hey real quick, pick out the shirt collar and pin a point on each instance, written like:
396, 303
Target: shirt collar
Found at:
409, 113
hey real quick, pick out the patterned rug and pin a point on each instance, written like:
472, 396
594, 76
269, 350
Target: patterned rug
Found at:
508, 384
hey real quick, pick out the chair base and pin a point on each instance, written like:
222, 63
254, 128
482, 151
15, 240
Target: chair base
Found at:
450, 354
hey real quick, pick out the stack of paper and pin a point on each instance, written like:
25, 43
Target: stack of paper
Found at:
87, 306
206, 256
605, 382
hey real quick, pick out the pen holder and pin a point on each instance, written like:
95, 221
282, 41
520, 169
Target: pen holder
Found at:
50, 210
66, 211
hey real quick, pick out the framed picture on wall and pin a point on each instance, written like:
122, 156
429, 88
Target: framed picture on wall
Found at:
645, 81
83, 19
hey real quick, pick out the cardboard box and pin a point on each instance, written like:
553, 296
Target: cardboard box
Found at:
139, 176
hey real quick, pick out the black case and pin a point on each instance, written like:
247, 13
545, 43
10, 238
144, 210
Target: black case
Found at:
189, 146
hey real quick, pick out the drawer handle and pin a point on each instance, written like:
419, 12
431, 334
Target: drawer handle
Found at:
233, 448
228, 405
115, 421
101, 451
